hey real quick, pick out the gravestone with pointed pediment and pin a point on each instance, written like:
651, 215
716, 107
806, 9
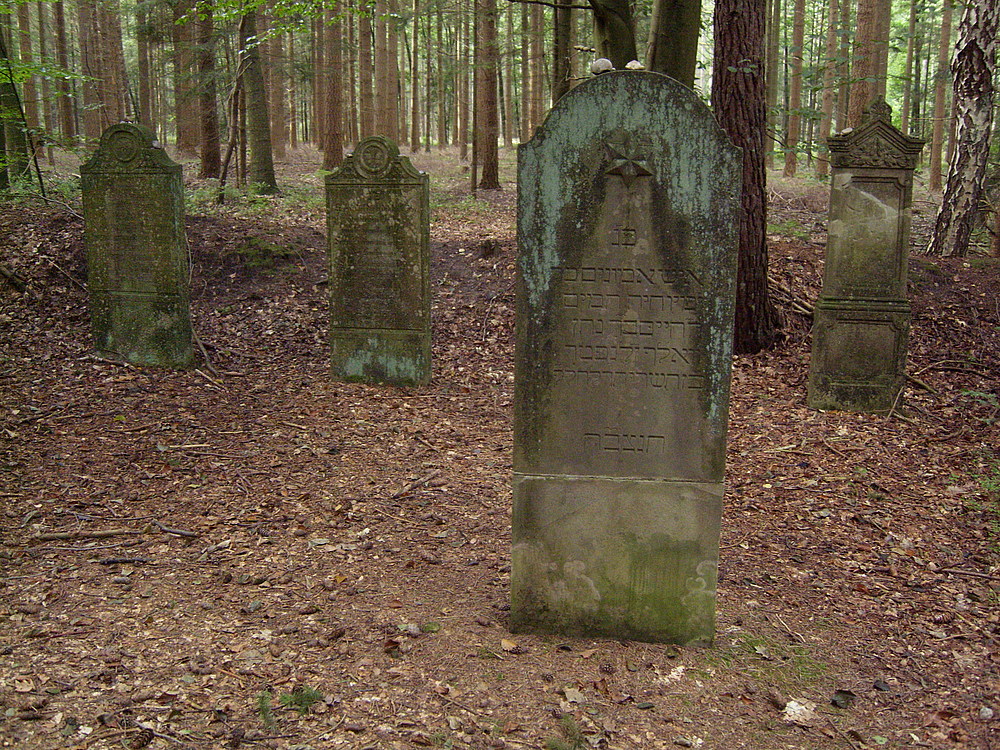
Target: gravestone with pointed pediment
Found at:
137, 260
628, 202
378, 219
862, 317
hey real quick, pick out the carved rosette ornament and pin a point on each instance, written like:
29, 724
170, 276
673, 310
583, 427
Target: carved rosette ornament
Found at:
877, 144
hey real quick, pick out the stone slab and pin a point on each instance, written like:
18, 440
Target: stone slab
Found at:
379, 234
628, 198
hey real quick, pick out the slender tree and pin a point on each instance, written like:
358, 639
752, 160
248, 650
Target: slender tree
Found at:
973, 68
487, 112
673, 39
261, 167
829, 82
333, 144
739, 97
865, 61
940, 99
795, 89
211, 158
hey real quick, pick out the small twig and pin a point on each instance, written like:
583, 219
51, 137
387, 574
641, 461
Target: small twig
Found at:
895, 403
56, 535
124, 560
920, 383
843, 734
178, 532
64, 273
204, 354
15, 281
963, 572
413, 485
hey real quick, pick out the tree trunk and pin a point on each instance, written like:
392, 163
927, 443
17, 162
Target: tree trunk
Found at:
144, 115
67, 124
278, 95
537, 66
29, 90
211, 159
829, 93
508, 81
524, 94
973, 67
772, 73
940, 100
261, 168
739, 97
366, 102
904, 113
561, 71
385, 98
415, 80
487, 119
614, 31
844, 66
333, 143
15, 140
185, 95
673, 39
865, 63
795, 90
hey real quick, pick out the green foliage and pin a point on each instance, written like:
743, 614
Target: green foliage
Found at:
301, 698
261, 254
984, 399
789, 228
572, 736
264, 709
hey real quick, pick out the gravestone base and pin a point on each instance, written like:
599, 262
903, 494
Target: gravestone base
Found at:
401, 358
142, 329
858, 355
620, 558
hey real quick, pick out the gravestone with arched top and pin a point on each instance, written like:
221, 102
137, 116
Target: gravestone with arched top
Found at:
137, 260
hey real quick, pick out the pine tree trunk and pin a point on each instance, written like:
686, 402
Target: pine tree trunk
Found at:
464, 84
525, 89
940, 100
461, 65
320, 81
261, 167
415, 81
614, 31
29, 90
333, 145
739, 97
795, 90
773, 74
144, 115
865, 62
366, 101
844, 67
278, 94
508, 81
67, 123
973, 68
537, 66
829, 93
185, 101
211, 158
488, 59
392, 62
561, 73
904, 112
673, 39
15, 139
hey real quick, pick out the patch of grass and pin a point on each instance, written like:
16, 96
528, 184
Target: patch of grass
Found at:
985, 399
263, 255
264, 709
989, 505
572, 736
301, 698
767, 661
789, 228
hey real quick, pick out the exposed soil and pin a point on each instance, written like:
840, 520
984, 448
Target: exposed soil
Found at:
252, 554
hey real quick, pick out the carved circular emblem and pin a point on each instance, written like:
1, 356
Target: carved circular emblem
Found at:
374, 156
124, 146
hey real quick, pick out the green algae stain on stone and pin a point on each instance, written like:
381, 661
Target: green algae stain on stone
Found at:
627, 213
378, 222
137, 261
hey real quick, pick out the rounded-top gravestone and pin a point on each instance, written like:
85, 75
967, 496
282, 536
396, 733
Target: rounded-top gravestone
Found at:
137, 261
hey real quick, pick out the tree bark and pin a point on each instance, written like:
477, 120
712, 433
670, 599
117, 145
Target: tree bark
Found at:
185, 94
773, 73
973, 67
795, 90
333, 129
278, 95
261, 167
415, 81
940, 100
29, 89
211, 158
673, 39
829, 93
537, 66
487, 115
366, 103
561, 32
739, 96
904, 113
865, 62
67, 123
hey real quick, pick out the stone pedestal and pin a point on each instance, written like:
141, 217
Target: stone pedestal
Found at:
378, 220
137, 260
628, 197
862, 317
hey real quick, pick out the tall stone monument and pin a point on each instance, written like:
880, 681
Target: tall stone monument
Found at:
137, 260
628, 198
378, 220
862, 317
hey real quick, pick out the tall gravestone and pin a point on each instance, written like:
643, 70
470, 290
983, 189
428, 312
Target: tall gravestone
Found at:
378, 219
862, 317
628, 199
137, 260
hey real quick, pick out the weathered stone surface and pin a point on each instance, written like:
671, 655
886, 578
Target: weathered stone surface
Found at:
378, 220
627, 210
862, 318
137, 261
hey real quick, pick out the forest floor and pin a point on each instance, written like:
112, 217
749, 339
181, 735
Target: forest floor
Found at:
250, 554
